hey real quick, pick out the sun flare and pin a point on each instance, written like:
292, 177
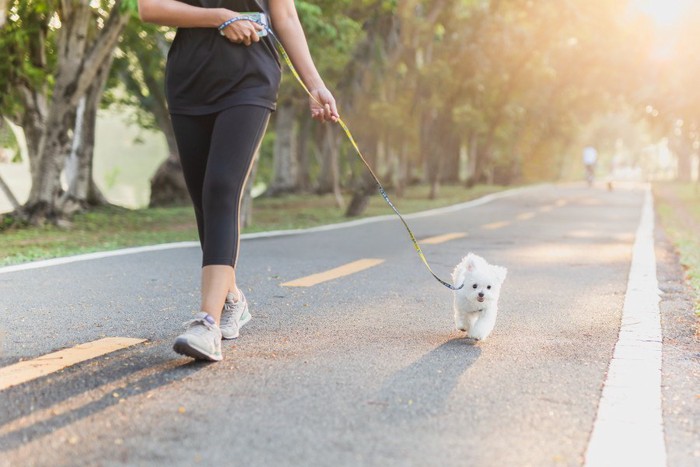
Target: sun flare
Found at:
665, 13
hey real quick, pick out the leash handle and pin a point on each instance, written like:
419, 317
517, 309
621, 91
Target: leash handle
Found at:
382, 191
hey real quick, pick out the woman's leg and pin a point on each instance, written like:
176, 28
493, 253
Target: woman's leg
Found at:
236, 137
193, 134
202, 339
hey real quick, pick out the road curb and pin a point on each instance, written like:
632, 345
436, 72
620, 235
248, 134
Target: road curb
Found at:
251, 236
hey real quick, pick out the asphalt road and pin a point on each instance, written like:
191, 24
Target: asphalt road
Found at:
362, 370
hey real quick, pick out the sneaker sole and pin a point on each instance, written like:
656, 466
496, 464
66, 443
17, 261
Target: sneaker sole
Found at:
244, 319
183, 347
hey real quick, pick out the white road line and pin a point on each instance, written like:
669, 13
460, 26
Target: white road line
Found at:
629, 426
250, 236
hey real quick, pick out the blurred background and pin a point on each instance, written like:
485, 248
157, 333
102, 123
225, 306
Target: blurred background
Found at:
442, 93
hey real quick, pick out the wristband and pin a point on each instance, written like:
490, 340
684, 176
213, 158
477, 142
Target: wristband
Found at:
258, 18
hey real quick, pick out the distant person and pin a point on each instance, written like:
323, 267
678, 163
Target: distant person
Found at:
590, 158
222, 79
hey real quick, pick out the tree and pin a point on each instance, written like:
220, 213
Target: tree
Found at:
673, 98
3, 12
70, 41
137, 81
328, 27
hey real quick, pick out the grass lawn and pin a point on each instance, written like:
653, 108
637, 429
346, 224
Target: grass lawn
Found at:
678, 205
109, 228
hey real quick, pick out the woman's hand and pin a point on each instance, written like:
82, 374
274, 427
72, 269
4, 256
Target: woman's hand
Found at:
323, 106
243, 31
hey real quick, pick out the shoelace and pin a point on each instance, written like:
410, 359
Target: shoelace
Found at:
231, 317
192, 327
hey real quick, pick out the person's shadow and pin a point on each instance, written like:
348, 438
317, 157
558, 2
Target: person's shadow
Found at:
423, 388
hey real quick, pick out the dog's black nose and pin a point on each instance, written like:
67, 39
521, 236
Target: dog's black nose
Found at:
481, 294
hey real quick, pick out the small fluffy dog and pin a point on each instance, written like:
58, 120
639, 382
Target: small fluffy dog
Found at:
476, 304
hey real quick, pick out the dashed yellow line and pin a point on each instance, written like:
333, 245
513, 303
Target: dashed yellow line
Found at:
443, 238
341, 271
525, 216
496, 225
116, 388
23, 372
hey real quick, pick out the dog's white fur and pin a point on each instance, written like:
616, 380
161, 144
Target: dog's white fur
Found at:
476, 304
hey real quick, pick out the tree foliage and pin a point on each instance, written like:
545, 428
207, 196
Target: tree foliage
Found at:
440, 91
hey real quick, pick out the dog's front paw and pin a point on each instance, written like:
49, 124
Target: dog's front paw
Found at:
478, 336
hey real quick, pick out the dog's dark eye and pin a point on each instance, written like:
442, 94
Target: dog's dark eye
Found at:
474, 286
488, 287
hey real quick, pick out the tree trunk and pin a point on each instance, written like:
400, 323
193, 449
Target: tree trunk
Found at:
403, 172
451, 159
329, 179
8, 194
247, 202
3, 12
285, 162
365, 186
433, 148
168, 186
79, 62
304, 141
472, 154
682, 146
33, 122
82, 191
168, 183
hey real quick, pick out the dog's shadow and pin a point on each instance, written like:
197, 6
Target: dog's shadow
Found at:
423, 388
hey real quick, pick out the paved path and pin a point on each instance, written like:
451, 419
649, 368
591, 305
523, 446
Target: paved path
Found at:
362, 369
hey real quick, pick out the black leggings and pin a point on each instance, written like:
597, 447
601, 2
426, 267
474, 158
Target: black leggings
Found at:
217, 152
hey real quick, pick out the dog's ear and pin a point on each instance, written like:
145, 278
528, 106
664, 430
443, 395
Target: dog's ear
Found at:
500, 273
471, 262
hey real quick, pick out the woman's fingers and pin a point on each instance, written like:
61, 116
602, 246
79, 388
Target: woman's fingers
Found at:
323, 106
243, 32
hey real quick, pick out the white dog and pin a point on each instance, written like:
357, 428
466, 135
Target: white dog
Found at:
476, 304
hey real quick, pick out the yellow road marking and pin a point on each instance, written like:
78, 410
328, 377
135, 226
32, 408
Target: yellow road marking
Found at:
546, 208
23, 372
495, 225
525, 216
560, 203
115, 388
443, 238
345, 270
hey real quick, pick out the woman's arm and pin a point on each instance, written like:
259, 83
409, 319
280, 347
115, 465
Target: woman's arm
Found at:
287, 27
182, 15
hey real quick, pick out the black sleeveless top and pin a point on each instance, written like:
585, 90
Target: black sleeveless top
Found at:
206, 73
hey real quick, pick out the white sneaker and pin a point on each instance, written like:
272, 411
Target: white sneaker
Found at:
234, 316
201, 340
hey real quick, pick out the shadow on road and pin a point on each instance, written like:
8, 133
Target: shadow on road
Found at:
40, 407
423, 388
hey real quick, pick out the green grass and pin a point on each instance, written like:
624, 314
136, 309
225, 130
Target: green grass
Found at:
678, 205
99, 230
112, 228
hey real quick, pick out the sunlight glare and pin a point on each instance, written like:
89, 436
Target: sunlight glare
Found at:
665, 13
